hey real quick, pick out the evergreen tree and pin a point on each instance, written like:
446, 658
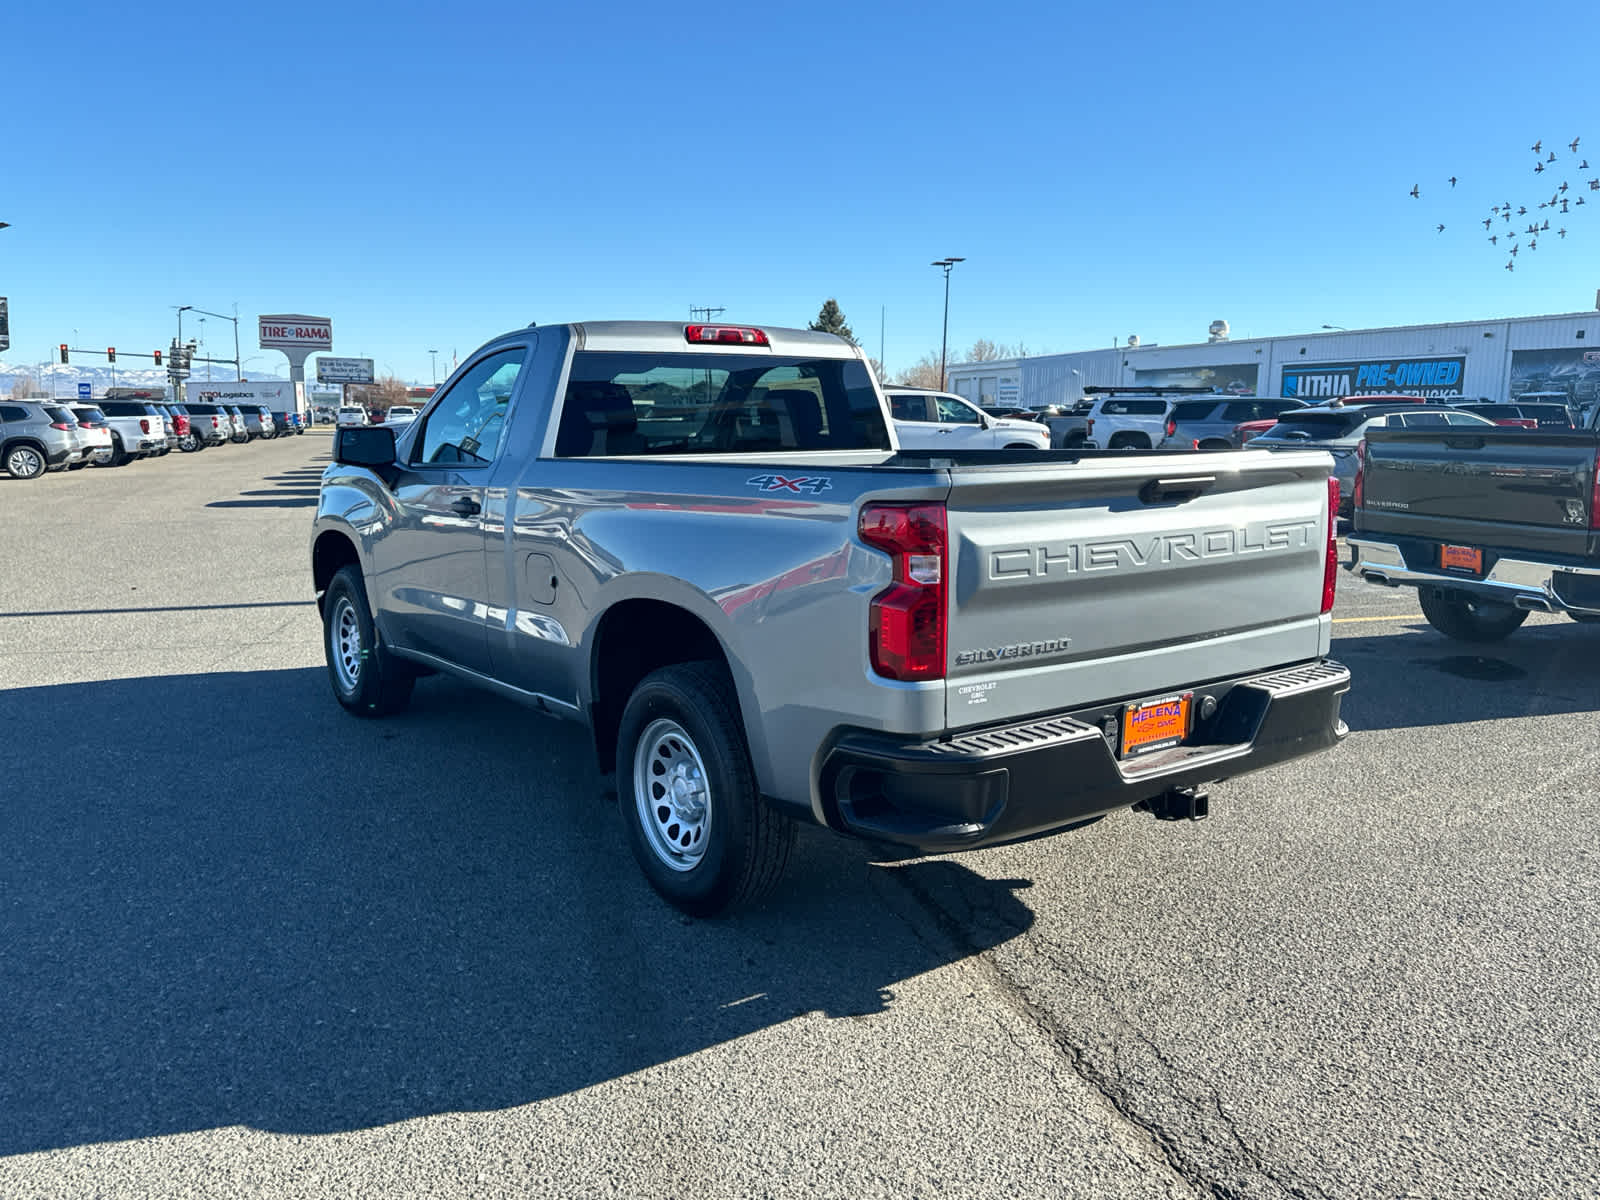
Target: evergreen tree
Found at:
831, 320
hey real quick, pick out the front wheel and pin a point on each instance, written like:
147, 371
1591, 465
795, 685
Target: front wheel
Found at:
24, 462
366, 678
1471, 620
696, 822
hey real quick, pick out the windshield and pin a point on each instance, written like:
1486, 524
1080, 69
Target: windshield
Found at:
624, 403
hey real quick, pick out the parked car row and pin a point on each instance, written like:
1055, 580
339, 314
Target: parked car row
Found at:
37, 436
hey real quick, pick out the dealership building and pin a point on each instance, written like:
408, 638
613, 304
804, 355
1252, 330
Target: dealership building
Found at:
1478, 359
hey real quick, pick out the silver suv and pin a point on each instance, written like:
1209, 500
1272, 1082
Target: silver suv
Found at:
36, 437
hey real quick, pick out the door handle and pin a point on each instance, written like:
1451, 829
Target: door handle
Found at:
466, 506
1163, 491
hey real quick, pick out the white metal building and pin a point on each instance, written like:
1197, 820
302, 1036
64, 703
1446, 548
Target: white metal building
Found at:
1492, 359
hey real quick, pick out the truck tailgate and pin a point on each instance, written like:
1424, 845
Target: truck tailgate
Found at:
1507, 488
1127, 579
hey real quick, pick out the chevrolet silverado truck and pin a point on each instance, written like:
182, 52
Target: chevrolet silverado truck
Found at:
1488, 524
703, 544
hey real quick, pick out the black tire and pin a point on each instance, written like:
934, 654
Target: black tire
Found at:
119, 456
188, 443
1128, 441
25, 461
1021, 446
1471, 620
746, 842
365, 677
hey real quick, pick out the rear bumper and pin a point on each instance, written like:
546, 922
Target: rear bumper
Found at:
1523, 583
1014, 781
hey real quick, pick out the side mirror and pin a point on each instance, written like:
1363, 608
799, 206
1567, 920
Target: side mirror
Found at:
364, 446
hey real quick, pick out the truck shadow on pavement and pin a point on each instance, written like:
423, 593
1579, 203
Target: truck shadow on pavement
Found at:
1422, 678
314, 923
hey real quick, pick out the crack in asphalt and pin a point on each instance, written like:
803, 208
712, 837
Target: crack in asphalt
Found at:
1202, 1100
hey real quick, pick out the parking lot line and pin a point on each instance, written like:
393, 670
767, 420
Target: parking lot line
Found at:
1396, 617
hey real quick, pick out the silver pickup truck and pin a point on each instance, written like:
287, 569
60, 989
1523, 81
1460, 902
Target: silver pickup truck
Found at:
702, 543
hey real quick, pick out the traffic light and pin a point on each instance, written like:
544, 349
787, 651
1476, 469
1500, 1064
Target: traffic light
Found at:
111, 354
63, 352
158, 358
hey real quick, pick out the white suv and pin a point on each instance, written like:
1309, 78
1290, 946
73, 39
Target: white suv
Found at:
1128, 422
350, 415
927, 420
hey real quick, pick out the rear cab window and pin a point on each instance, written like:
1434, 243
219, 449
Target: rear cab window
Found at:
662, 403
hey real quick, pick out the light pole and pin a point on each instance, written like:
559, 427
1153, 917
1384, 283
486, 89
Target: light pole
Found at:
435, 355
944, 339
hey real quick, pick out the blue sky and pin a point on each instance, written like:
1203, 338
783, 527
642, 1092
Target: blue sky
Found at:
429, 176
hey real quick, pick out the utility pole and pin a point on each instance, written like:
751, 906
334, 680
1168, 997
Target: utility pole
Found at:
944, 339
883, 318
435, 355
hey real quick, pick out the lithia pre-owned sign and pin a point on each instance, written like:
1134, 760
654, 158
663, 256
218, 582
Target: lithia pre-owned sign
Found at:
292, 331
1434, 378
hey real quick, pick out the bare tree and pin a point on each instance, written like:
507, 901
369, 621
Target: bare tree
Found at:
24, 386
983, 350
925, 372
381, 394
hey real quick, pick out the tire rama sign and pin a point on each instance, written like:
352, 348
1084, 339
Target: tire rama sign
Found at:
292, 331
1433, 378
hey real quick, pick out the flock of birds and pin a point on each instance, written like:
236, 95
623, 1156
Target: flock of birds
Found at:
1560, 204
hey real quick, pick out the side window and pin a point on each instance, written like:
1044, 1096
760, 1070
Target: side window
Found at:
11, 413
1423, 420
954, 412
467, 423
1246, 410
908, 408
1462, 419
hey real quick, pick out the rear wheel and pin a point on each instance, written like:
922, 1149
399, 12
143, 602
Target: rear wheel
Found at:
1129, 441
1471, 620
696, 821
24, 462
119, 456
188, 443
366, 678
1022, 446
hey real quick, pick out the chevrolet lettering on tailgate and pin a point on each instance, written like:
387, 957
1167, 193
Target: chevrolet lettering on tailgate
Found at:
1161, 549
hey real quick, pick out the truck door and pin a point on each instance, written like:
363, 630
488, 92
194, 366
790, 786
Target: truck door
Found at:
432, 571
962, 427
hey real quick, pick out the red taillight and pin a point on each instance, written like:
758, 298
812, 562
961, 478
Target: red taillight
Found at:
1172, 427
1088, 430
907, 625
144, 424
1594, 496
738, 335
214, 424
62, 425
1330, 570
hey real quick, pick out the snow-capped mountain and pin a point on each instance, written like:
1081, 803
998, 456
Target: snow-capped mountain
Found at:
57, 379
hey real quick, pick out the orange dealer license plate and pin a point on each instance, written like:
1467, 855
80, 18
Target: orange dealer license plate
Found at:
1155, 725
1461, 558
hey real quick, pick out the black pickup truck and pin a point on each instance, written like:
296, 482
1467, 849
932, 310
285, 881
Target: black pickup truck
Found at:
1487, 524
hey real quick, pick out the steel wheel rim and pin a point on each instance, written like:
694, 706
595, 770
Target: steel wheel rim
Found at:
23, 462
347, 652
672, 794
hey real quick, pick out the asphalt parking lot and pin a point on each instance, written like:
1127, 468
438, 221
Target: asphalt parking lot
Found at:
251, 946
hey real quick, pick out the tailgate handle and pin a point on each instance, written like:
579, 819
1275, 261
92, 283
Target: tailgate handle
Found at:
1171, 491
